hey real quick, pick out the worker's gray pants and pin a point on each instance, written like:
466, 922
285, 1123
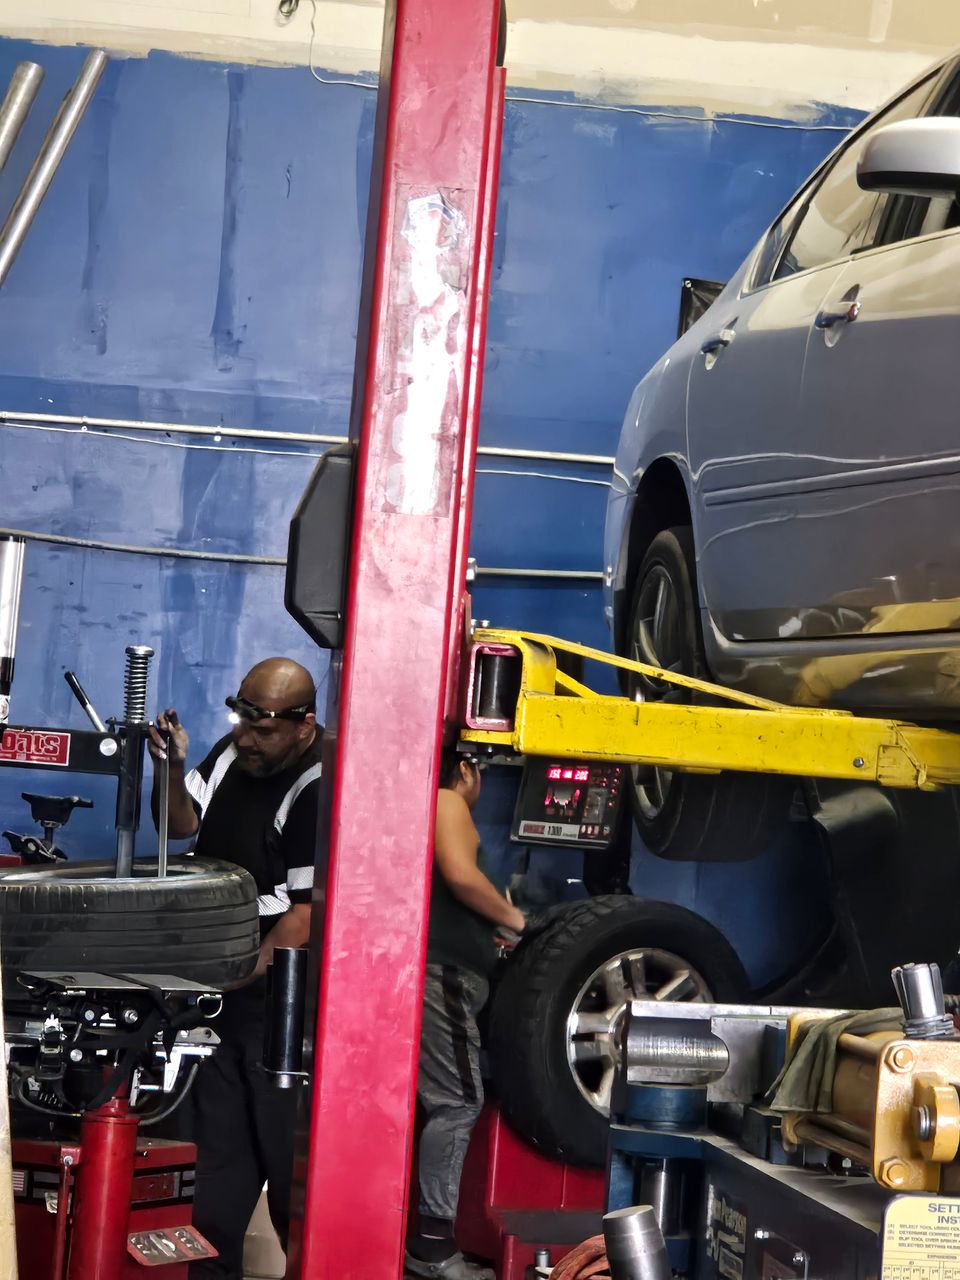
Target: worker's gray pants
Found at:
449, 1088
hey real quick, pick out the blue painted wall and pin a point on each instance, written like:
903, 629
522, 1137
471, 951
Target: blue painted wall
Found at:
198, 259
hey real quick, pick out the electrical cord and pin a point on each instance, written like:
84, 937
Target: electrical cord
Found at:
154, 1117
21, 1097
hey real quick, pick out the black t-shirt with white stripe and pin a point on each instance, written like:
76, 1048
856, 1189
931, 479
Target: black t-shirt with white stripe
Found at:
268, 826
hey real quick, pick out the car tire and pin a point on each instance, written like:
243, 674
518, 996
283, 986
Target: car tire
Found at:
550, 1097
727, 817
198, 923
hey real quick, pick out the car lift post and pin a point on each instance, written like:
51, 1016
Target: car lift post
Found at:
417, 378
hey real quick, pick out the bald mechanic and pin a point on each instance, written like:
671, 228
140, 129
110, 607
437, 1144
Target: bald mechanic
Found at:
253, 802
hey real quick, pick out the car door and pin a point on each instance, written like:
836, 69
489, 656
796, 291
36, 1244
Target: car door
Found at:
748, 444
879, 411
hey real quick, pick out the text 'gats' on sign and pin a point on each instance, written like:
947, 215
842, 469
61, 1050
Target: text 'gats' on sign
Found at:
35, 746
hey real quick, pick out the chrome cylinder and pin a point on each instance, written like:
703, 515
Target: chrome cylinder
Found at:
919, 989
52, 150
21, 92
11, 583
672, 1051
660, 1188
635, 1246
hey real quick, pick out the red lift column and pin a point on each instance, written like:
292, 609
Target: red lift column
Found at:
439, 94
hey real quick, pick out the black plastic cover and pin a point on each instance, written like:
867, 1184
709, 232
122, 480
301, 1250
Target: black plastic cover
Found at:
695, 297
319, 549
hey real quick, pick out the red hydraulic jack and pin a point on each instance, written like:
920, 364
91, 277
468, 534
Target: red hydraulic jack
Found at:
414, 435
109, 1144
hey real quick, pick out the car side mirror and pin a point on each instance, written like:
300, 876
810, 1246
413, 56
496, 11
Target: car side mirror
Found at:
914, 158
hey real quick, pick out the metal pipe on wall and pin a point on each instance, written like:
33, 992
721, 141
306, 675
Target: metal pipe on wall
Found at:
18, 419
24, 85
52, 150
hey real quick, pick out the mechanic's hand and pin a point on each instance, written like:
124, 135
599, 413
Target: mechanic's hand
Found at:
177, 741
536, 922
505, 940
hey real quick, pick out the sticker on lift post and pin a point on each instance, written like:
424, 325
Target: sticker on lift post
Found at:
921, 1238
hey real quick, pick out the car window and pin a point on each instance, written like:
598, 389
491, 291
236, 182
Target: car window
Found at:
840, 218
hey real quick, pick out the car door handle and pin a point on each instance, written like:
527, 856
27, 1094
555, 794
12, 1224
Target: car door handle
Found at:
844, 313
718, 342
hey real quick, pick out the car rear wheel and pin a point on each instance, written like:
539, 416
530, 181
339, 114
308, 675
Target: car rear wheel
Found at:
559, 1006
728, 817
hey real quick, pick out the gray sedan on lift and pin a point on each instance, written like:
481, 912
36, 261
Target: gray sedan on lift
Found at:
784, 513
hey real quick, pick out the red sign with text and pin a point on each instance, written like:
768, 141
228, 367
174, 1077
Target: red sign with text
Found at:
35, 746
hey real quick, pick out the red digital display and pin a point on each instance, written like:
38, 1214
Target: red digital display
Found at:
556, 774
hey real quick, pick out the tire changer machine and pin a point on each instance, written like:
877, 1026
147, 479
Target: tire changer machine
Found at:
93, 1058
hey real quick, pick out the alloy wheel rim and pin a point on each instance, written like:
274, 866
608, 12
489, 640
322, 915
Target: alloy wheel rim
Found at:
649, 974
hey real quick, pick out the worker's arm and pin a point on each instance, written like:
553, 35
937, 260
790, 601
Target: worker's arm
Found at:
183, 820
291, 930
455, 848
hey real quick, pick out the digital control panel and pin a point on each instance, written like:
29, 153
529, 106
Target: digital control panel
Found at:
565, 802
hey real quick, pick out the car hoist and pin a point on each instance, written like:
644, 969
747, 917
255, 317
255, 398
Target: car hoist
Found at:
408, 500
517, 697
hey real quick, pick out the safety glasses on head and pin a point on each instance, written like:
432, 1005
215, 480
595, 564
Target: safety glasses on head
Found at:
244, 709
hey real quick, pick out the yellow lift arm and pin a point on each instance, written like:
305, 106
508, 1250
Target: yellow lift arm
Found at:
518, 699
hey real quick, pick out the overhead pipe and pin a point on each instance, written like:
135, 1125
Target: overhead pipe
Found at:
52, 150
24, 84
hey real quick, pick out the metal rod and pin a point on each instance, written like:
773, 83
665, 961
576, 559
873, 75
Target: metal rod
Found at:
13, 418
52, 151
844, 1128
124, 852
11, 582
76, 688
572, 575
64, 1192
226, 557
163, 814
807, 1131
19, 98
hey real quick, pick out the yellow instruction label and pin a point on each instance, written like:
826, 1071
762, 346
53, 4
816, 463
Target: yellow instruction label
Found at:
921, 1239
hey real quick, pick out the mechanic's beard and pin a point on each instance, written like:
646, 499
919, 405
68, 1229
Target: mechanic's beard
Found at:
257, 766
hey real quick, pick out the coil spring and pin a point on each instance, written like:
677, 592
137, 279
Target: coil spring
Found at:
135, 678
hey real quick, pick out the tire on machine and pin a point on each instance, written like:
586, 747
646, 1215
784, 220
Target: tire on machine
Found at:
198, 923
